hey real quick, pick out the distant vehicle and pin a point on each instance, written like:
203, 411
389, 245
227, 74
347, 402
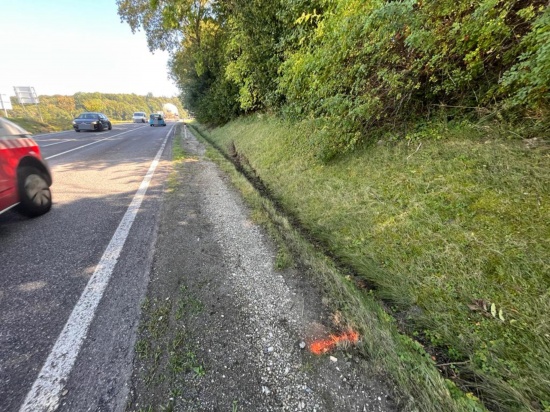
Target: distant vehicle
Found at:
139, 117
156, 119
25, 178
92, 121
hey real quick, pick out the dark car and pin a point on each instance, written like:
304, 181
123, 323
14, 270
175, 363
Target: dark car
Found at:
25, 178
92, 121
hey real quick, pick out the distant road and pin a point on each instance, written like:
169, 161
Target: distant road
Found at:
100, 180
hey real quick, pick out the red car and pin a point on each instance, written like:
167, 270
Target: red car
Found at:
25, 178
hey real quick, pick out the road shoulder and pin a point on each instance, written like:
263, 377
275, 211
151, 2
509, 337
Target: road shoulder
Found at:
221, 329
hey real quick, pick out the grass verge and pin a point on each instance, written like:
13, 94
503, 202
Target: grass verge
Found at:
33, 126
450, 234
164, 349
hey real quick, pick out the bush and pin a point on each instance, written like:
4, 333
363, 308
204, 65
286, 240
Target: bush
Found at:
368, 63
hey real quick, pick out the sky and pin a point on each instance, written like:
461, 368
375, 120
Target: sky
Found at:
69, 46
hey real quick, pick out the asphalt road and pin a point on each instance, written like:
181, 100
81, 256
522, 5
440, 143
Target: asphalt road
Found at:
47, 262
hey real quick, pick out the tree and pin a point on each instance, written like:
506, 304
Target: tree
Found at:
94, 105
166, 23
67, 104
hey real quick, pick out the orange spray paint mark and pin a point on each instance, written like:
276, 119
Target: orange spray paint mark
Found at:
321, 346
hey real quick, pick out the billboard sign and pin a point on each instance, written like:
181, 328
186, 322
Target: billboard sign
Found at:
5, 102
26, 95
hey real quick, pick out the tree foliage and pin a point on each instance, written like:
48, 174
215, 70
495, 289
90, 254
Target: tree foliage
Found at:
349, 65
529, 78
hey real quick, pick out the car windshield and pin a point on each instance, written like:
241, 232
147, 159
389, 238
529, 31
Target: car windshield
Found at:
88, 116
139, 114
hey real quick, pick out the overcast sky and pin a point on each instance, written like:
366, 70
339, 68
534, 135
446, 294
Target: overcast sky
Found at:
69, 46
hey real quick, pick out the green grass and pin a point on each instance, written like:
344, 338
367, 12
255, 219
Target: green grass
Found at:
33, 126
178, 154
187, 305
178, 159
166, 351
452, 234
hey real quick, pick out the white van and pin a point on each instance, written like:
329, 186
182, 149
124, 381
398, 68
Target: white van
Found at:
139, 117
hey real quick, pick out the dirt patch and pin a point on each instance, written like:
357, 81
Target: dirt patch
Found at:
221, 329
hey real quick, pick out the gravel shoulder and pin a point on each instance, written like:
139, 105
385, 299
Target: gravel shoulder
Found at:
221, 328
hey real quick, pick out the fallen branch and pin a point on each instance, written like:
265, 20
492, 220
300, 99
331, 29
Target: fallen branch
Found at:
417, 149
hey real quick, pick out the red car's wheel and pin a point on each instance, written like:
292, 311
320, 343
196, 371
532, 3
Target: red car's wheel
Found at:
34, 192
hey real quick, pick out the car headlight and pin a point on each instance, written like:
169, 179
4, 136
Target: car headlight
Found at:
94, 122
74, 122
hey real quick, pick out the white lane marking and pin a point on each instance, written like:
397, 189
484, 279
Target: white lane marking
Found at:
53, 144
89, 144
49, 134
46, 391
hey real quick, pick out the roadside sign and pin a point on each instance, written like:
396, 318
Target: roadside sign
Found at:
5, 102
26, 95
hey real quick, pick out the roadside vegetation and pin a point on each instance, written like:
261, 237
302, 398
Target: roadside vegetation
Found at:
164, 350
33, 126
448, 234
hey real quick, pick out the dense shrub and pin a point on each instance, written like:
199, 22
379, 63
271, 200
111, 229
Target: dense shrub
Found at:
529, 79
351, 64
368, 62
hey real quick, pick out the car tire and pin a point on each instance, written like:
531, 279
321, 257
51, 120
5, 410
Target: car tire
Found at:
77, 130
110, 126
35, 197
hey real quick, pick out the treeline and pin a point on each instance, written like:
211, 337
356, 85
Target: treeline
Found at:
59, 110
349, 65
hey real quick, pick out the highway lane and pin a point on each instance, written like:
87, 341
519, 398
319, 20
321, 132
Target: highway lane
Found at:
54, 144
46, 264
